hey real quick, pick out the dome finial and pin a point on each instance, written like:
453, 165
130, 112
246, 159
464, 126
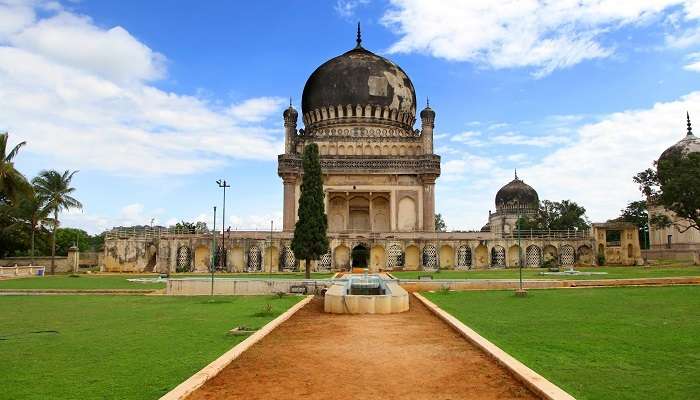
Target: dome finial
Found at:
690, 129
290, 101
427, 101
359, 36
516, 173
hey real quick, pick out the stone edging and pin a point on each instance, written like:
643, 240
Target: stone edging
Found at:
534, 381
192, 383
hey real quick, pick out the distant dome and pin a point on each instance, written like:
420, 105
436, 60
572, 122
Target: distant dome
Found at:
359, 78
517, 193
486, 228
689, 144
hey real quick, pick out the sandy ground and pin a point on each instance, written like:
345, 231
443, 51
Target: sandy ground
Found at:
314, 355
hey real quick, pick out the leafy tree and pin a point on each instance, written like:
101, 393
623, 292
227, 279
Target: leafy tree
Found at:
675, 185
310, 241
54, 189
557, 215
192, 227
636, 213
35, 213
440, 225
12, 183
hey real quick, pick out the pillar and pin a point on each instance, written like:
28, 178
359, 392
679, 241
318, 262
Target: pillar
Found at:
289, 210
427, 117
428, 203
290, 129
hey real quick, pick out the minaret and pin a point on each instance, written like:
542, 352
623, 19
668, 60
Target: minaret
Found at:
290, 128
427, 117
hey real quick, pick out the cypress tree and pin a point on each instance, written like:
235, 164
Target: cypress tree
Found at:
310, 241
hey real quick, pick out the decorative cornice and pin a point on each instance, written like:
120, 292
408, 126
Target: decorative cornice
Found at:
423, 165
358, 114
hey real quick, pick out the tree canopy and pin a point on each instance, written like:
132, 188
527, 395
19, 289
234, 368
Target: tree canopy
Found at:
440, 225
557, 215
310, 241
12, 183
675, 185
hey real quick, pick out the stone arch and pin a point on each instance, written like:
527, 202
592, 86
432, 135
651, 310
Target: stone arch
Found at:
341, 257
380, 219
601, 249
514, 256
350, 150
630, 251
377, 258
402, 150
359, 213
533, 257
498, 257
407, 214
447, 256
394, 257
368, 150
289, 262
336, 214
324, 263
585, 255
430, 258
568, 255
184, 259
332, 150
481, 255
202, 256
417, 150
377, 150
549, 254
341, 150
271, 259
360, 256
394, 150
254, 259
151, 257
323, 150
235, 259
412, 257
385, 150
464, 257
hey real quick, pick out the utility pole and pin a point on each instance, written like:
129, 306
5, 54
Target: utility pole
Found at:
213, 253
520, 292
222, 184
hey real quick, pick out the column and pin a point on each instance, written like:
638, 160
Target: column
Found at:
392, 210
428, 202
371, 215
289, 210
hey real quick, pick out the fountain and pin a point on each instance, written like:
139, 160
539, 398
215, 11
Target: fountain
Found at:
365, 294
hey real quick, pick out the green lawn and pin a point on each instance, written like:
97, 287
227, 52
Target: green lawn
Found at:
532, 273
611, 343
117, 347
108, 281
82, 281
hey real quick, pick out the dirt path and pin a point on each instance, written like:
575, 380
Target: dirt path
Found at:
314, 355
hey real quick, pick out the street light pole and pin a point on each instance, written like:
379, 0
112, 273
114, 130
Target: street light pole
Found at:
222, 184
520, 292
213, 252
272, 224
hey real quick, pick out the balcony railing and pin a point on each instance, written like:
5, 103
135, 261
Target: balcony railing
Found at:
548, 234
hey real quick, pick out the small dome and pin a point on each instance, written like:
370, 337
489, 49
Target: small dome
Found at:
517, 193
486, 228
359, 77
290, 113
689, 144
427, 113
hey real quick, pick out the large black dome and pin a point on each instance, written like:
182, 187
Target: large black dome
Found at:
517, 193
359, 77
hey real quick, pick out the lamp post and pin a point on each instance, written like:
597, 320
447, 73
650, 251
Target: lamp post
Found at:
222, 184
213, 253
271, 227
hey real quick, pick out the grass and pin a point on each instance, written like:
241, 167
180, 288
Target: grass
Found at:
117, 347
103, 282
534, 273
611, 343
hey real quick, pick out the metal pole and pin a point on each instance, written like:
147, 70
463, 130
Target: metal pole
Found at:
213, 254
520, 255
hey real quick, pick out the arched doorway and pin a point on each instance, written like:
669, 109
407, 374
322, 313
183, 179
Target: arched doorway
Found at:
360, 256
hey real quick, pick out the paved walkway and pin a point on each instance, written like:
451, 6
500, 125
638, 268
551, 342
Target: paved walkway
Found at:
314, 355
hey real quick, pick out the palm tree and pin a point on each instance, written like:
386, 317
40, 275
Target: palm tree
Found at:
12, 182
36, 213
53, 188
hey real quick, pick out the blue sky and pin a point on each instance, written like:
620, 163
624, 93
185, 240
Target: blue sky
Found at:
154, 101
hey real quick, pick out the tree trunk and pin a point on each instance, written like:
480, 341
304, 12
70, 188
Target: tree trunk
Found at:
53, 242
32, 244
307, 271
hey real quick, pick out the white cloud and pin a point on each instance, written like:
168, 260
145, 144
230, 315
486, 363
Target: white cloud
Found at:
256, 222
693, 62
594, 167
80, 96
514, 138
347, 8
544, 35
257, 109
